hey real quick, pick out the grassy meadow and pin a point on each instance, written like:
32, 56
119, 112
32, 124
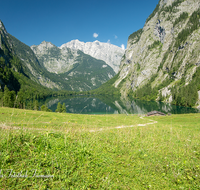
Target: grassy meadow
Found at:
45, 150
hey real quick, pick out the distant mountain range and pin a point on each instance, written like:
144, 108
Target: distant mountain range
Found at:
58, 67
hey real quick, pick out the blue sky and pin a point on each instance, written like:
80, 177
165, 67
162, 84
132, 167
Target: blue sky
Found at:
60, 21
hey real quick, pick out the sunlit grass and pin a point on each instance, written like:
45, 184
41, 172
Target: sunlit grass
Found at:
28, 119
162, 155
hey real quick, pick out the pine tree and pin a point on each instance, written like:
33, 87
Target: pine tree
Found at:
9, 97
36, 105
45, 108
59, 107
64, 108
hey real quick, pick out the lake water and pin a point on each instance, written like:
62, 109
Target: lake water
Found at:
109, 105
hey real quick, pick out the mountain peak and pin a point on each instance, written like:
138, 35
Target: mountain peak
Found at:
1, 24
47, 43
109, 53
2, 27
43, 47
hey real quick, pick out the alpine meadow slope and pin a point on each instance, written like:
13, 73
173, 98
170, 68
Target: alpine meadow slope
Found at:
162, 59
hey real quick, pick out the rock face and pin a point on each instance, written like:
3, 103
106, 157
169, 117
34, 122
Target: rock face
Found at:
109, 53
54, 59
166, 48
80, 71
160, 32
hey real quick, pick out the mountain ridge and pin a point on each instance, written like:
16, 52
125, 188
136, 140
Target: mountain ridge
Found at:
107, 52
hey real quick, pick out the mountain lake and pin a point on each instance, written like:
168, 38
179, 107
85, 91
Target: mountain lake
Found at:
109, 105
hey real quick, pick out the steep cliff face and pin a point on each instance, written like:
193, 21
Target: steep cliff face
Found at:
107, 52
165, 52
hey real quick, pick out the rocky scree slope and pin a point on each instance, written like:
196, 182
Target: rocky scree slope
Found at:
164, 54
80, 71
107, 52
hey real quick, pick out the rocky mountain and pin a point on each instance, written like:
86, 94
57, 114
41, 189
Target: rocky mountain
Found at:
53, 59
107, 52
80, 71
162, 59
49, 66
18, 57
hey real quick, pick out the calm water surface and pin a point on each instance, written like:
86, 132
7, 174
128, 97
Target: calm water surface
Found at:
102, 105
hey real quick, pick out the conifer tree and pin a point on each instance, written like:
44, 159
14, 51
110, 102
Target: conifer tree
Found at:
9, 97
45, 108
59, 107
64, 108
36, 105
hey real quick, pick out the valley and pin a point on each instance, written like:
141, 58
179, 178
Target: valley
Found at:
161, 62
74, 116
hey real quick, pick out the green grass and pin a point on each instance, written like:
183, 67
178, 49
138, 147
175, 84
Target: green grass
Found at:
89, 152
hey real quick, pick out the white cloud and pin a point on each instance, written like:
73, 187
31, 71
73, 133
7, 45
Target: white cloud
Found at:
95, 35
123, 46
115, 37
108, 41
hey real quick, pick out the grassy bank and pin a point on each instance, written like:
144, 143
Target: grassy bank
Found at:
69, 151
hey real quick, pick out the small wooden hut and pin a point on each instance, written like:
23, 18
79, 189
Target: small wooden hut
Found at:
155, 113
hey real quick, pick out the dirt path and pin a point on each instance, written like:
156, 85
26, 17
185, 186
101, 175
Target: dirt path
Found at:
122, 126
4, 126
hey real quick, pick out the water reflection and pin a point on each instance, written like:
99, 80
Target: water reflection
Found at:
109, 105
83, 105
